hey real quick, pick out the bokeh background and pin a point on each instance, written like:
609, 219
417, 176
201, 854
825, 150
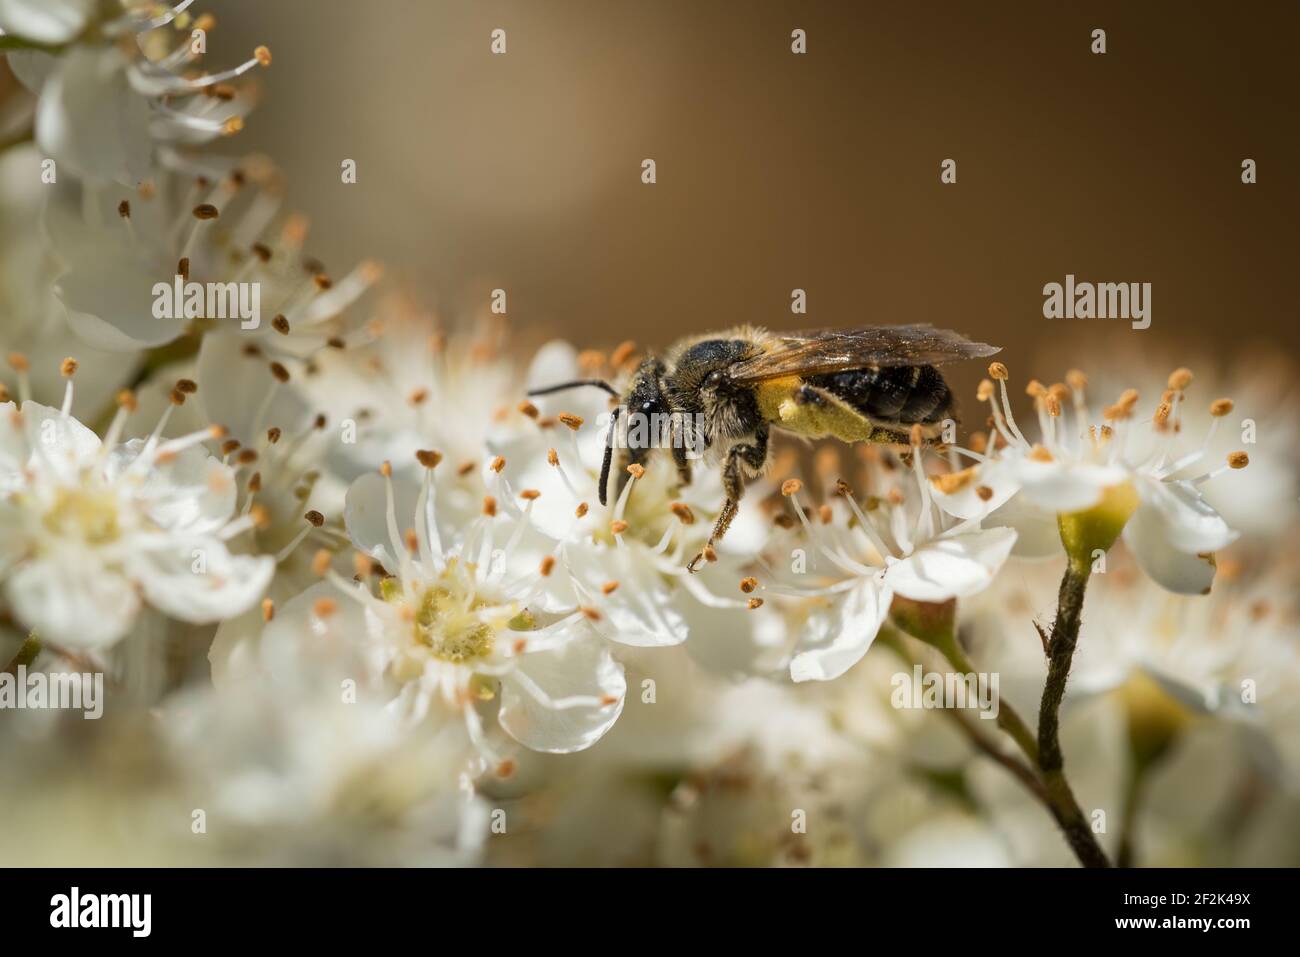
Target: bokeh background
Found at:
819, 171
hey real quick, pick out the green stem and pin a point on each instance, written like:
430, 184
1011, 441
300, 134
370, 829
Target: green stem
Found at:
1051, 761
26, 654
1008, 718
1132, 806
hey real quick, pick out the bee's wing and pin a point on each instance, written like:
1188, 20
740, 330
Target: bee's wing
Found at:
837, 350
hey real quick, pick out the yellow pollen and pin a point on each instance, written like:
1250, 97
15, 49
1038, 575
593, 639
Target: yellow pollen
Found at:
548, 565
262, 55
1180, 379
954, 481
1040, 453
635, 470
791, 487
1220, 407
618, 526
747, 585
268, 609
609, 588
498, 464
572, 421
755, 603
1238, 460
998, 371
530, 494
429, 458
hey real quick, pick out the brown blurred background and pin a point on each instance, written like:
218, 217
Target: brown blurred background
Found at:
778, 171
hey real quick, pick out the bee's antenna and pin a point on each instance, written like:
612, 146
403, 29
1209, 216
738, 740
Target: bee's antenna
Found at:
609, 456
576, 383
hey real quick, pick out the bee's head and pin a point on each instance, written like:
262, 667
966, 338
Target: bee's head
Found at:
702, 368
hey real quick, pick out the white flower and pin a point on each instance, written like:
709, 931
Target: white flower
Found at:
45, 21
214, 221
627, 559
92, 530
456, 623
403, 383
1074, 465
33, 323
103, 105
902, 546
287, 778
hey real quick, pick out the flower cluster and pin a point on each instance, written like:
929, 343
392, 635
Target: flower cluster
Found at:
357, 589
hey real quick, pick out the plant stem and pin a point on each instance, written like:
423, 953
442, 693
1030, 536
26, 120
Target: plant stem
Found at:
27, 653
1128, 827
1008, 719
1051, 762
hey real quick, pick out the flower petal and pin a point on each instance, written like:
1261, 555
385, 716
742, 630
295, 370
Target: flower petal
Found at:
365, 512
78, 603
835, 640
198, 580
954, 567
581, 668
1147, 534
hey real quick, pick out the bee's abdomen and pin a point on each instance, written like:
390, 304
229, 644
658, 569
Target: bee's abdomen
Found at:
906, 394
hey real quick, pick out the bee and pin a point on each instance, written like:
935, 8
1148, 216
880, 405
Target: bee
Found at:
722, 394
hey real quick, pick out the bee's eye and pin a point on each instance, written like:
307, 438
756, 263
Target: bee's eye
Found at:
713, 379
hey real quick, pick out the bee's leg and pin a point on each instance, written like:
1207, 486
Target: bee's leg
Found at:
744, 461
681, 446
605, 463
